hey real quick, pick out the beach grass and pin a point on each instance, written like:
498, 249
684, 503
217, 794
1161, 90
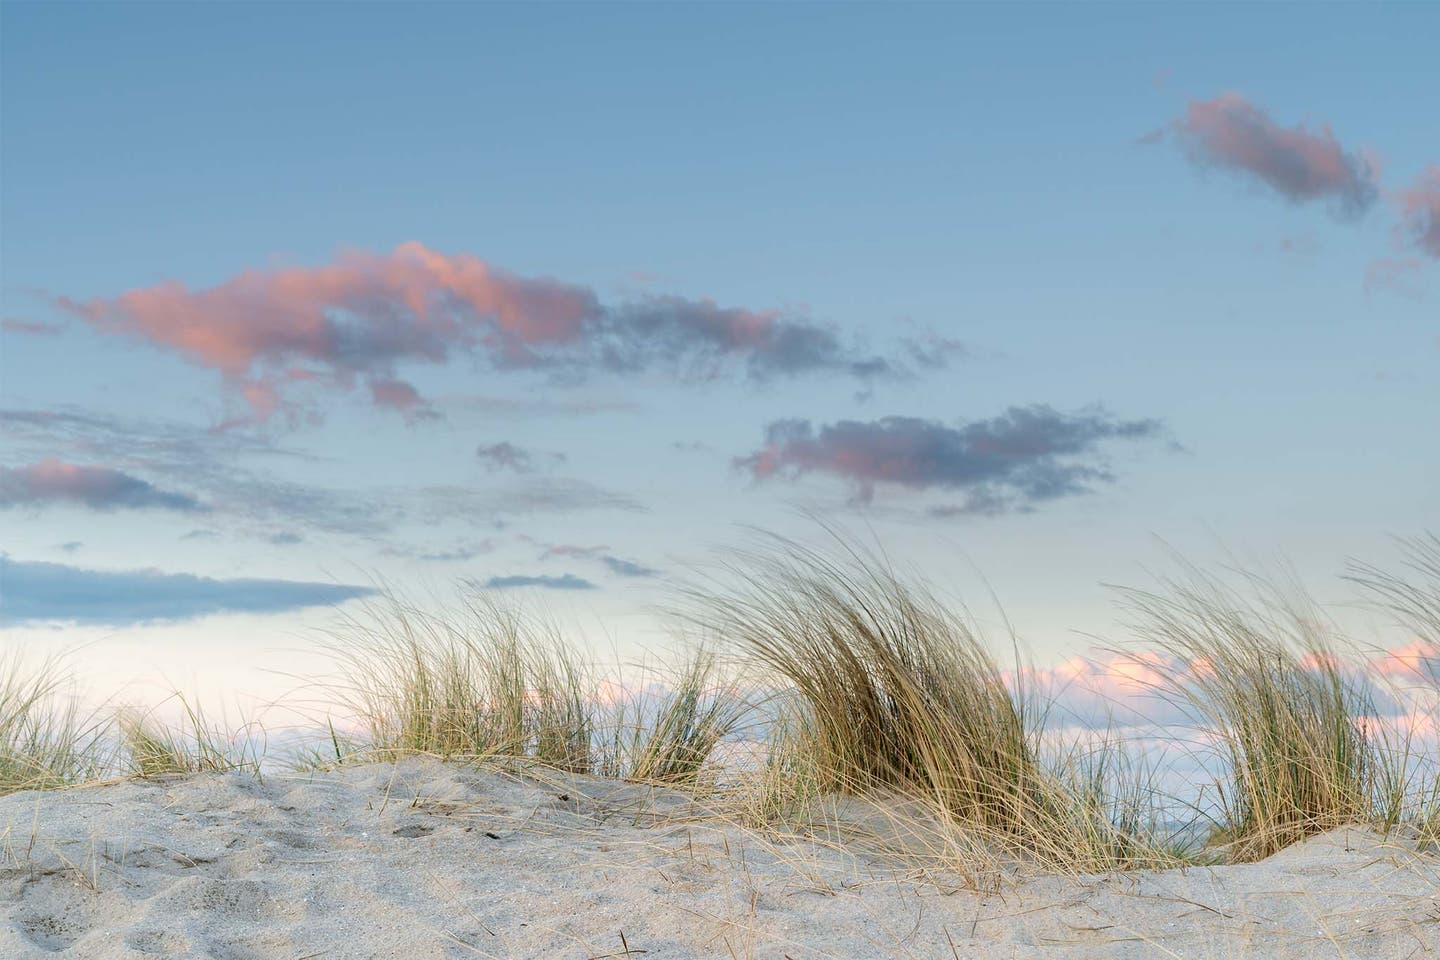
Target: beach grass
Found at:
196, 743
1273, 686
46, 741
892, 693
811, 678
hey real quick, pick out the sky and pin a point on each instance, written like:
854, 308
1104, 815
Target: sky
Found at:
558, 300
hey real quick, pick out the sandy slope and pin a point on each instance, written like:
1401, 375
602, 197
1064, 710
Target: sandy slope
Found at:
421, 860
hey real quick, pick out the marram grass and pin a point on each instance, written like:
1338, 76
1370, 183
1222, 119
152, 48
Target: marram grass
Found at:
847, 683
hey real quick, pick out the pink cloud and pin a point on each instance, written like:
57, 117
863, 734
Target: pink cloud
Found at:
1400, 274
1125, 689
363, 315
359, 315
1419, 659
401, 396
1300, 164
55, 482
1420, 207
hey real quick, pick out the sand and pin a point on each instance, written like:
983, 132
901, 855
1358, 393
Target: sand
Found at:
427, 860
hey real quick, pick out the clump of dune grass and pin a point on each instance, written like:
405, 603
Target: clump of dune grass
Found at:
1412, 596
193, 744
488, 680
1267, 681
669, 733
485, 680
892, 693
45, 740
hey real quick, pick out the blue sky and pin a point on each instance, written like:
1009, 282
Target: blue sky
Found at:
1109, 273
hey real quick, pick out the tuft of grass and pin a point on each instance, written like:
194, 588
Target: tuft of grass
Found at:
1412, 596
484, 681
195, 745
1268, 682
669, 738
489, 681
893, 693
45, 741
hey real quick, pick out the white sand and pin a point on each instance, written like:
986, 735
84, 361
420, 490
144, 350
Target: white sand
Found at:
424, 860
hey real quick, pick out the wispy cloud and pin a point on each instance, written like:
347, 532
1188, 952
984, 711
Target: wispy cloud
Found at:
1231, 133
54, 482
30, 328
537, 494
571, 550
258, 502
52, 592
543, 406
627, 568
359, 318
600, 554
507, 456
566, 582
1025, 456
1420, 208
456, 554
1399, 274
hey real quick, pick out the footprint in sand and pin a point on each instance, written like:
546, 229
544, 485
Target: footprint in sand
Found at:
49, 933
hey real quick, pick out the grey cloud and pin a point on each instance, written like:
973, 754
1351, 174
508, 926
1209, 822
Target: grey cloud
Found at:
506, 456
1023, 457
628, 568
566, 582
51, 592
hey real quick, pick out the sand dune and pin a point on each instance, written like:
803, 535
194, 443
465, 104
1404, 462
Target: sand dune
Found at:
425, 860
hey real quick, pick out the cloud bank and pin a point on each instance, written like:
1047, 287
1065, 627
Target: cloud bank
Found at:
358, 319
1232, 133
55, 482
40, 592
1025, 456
